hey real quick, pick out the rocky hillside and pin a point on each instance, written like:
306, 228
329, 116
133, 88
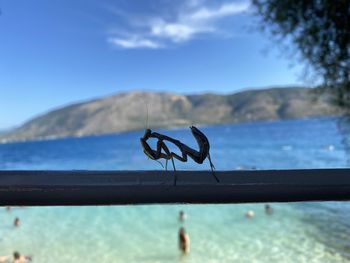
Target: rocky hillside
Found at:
128, 111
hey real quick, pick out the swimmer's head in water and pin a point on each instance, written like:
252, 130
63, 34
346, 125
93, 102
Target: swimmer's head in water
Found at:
16, 255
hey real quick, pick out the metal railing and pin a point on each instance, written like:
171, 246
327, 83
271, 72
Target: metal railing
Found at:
42, 188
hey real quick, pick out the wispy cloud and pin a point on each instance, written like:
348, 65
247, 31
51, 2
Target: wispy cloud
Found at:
190, 21
134, 42
178, 31
205, 14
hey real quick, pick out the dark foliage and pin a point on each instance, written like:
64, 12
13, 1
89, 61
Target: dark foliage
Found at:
320, 29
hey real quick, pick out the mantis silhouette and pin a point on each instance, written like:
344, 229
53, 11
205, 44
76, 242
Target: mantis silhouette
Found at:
186, 151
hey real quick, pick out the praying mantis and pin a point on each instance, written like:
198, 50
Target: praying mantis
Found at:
186, 151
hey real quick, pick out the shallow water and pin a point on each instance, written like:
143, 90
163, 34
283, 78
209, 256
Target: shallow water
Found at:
296, 232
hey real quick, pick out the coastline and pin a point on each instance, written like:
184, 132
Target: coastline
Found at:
7, 140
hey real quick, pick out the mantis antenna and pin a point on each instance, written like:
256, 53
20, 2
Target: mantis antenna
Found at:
146, 127
146, 123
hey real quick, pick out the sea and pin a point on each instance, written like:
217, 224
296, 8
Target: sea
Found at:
295, 232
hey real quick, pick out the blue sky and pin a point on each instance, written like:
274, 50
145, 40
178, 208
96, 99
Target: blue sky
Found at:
53, 53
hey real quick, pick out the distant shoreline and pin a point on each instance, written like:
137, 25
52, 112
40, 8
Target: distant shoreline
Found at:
54, 138
129, 111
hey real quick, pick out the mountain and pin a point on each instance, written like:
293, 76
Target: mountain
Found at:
130, 111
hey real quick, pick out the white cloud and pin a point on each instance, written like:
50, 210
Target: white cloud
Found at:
134, 42
186, 24
175, 32
225, 10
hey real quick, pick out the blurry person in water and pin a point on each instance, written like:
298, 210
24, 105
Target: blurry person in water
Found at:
184, 241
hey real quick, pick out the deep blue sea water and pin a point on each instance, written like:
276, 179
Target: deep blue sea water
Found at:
296, 232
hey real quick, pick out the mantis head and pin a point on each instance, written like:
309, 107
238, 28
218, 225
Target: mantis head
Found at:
146, 148
147, 134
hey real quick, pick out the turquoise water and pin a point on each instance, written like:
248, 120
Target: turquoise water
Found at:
296, 232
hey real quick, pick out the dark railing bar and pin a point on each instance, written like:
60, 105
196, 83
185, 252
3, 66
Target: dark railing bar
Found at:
43, 188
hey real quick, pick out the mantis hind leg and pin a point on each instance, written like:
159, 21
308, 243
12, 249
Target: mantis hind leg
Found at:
175, 174
159, 163
213, 168
169, 156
